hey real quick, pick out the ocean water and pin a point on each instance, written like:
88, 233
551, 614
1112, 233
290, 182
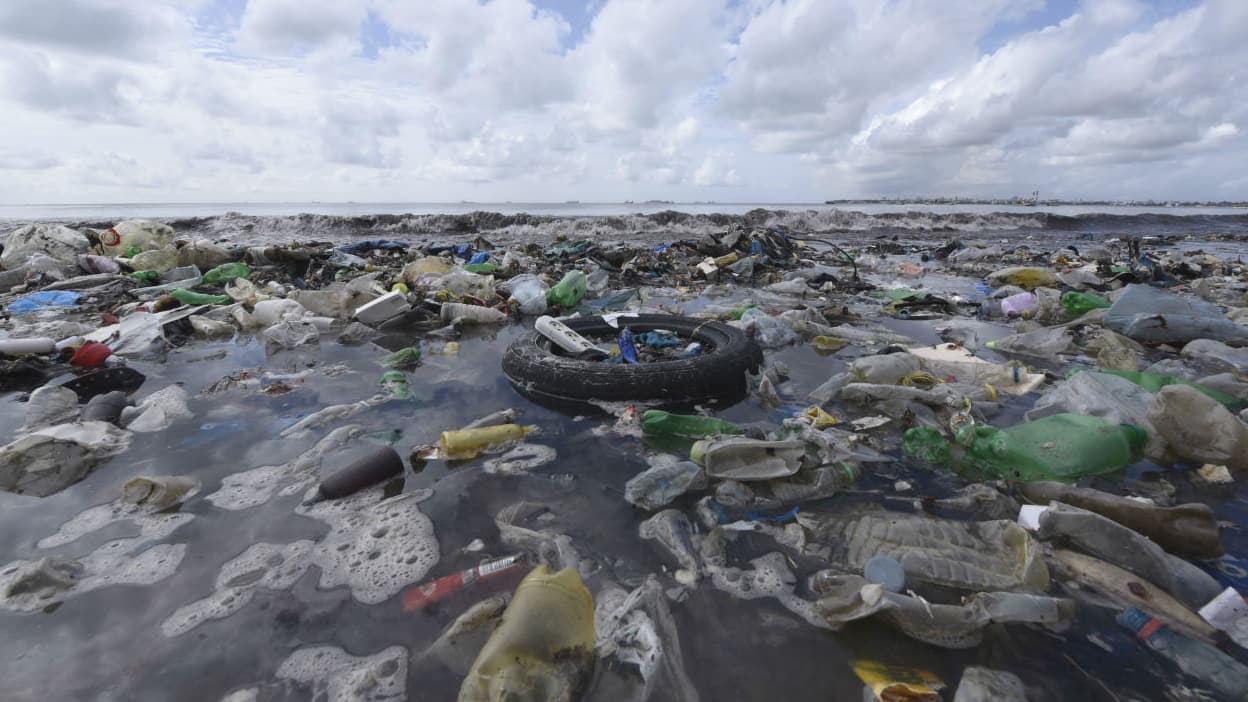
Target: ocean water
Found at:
117, 642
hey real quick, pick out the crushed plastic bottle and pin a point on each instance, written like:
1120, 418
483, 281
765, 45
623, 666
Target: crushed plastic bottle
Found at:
1057, 447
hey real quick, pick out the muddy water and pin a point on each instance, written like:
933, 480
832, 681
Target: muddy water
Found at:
114, 643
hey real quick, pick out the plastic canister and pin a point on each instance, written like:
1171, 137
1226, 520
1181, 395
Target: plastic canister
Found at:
18, 347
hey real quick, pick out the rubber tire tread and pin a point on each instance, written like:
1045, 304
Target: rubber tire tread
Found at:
532, 368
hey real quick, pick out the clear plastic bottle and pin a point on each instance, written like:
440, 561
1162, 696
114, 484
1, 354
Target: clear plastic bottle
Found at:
1196, 658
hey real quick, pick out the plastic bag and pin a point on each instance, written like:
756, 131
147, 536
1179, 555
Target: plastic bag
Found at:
159, 260
529, 292
48, 460
44, 300
55, 240
290, 334
157, 411
769, 332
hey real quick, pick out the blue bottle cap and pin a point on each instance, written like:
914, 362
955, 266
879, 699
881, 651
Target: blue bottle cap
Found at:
886, 572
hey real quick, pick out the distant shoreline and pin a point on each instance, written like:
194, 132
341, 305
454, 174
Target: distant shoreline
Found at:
1029, 202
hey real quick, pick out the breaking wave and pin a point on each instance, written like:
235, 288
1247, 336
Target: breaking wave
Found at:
670, 224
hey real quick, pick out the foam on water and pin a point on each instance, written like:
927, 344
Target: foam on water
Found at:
337, 676
110, 564
262, 565
152, 526
256, 486
769, 577
520, 459
376, 550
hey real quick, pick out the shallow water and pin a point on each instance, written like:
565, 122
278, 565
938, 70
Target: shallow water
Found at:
109, 644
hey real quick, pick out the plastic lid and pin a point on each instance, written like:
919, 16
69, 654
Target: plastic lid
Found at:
1136, 438
886, 572
698, 451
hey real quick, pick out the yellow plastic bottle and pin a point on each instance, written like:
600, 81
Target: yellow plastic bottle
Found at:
468, 443
543, 650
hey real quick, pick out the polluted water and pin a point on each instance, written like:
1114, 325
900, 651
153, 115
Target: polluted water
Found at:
799, 455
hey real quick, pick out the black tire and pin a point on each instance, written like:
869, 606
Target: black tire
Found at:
538, 373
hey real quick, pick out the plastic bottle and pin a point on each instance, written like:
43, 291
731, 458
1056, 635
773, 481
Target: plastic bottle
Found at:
1199, 429
475, 314
543, 648
736, 312
1114, 543
1057, 447
189, 297
739, 458
1080, 303
468, 443
381, 464
396, 384
1154, 382
569, 291
1196, 658
226, 272
1021, 305
568, 340
18, 347
628, 349
1189, 530
693, 426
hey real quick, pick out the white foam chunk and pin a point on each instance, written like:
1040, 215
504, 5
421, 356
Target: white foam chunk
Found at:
256, 486
29, 586
337, 676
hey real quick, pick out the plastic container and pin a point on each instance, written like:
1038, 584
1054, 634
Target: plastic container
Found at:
471, 314
563, 337
381, 464
693, 426
568, 291
19, 347
1020, 305
544, 646
1058, 447
469, 443
1154, 382
739, 458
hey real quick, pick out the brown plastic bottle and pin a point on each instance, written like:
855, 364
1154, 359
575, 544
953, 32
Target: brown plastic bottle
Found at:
1188, 530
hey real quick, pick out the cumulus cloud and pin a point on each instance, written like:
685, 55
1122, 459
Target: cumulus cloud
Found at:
678, 99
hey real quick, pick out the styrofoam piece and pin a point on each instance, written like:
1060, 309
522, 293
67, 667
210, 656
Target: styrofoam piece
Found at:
384, 308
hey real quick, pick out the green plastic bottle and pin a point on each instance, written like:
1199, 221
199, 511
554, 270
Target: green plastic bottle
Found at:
1154, 382
690, 425
481, 268
189, 297
226, 272
738, 311
146, 277
569, 291
1057, 447
1080, 303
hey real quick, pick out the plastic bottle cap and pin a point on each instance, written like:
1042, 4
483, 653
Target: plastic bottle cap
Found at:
886, 572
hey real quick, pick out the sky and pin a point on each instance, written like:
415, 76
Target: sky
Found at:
115, 101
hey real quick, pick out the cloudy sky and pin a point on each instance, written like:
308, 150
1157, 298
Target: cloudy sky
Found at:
608, 100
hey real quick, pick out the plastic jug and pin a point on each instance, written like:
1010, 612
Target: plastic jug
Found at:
468, 443
143, 234
1057, 447
226, 272
1080, 303
739, 458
